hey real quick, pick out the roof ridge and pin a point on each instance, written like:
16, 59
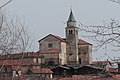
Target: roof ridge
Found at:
58, 37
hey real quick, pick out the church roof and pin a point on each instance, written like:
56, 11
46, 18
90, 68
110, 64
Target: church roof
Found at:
71, 17
81, 42
59, 38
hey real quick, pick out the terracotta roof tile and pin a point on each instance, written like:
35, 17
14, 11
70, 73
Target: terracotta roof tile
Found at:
113, 69
50, 51
83, 77
59, 38
17, 63
53, 51
99, 62
44, 70
19, 56
82, 42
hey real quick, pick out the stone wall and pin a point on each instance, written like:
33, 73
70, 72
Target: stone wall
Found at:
57, 45
85, 54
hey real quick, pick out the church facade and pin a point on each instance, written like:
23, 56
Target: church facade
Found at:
69, 50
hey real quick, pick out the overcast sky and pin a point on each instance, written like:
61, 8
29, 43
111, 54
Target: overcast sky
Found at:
48, 16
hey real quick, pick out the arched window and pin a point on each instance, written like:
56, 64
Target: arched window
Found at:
70, 31
77, 32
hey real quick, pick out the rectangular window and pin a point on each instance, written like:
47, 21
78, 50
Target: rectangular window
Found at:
50, 45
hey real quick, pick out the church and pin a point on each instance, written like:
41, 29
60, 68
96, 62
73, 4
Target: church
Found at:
64, 51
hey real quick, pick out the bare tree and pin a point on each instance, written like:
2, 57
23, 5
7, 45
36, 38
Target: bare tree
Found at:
107, 34
13, 35
116, 1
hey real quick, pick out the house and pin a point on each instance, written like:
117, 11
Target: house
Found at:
87, 77
106, 65
28, 56
19, 68
88, 70
70, 50
61, 71
43, 72
14, 68
83, 70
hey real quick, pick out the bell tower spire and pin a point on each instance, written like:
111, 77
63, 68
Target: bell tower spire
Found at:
71, 20
71, 17
72, 39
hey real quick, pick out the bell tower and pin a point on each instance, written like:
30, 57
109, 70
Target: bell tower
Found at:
72, 39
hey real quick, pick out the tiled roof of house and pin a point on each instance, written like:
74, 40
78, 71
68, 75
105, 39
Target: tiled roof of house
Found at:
19, 56
99, 62
50, 51
17, 63
53, 51
112, 69
84, 77
89, 66
75, 77
43, 70
27, 55
61, 67
21, 68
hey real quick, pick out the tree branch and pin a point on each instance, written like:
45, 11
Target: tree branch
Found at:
5, 4
116, 1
